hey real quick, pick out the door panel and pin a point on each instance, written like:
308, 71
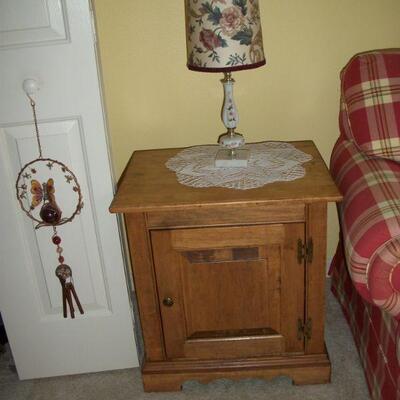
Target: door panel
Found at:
236, 279
227, 299
53, 42
79, 238
30, 22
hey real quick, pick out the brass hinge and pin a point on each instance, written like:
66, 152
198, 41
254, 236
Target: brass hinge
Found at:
304, 330
305, 252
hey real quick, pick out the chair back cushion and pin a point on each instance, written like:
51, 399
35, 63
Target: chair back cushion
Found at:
370, 101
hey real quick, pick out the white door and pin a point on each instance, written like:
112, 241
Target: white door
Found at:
53, 42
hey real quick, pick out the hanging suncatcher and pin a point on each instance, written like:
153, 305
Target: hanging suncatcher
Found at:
36, 188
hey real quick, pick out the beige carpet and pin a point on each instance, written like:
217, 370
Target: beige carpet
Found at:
348, 381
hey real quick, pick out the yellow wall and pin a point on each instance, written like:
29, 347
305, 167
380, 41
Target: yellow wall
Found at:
153, 101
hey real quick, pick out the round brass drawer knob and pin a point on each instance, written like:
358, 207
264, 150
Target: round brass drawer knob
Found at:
168, 302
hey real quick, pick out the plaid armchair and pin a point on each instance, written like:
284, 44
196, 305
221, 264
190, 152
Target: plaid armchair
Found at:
365, 164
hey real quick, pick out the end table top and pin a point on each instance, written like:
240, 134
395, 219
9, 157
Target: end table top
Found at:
148, 185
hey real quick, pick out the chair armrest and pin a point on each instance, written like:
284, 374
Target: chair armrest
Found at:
370, 223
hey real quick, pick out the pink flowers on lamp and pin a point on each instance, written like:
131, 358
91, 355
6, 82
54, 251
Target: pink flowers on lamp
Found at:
232, 20
210, 40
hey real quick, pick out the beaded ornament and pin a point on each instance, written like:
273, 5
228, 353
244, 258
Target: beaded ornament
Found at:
37, 198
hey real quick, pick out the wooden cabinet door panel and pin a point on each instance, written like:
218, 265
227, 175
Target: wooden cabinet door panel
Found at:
221, 291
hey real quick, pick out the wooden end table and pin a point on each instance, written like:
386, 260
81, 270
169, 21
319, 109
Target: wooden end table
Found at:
229, 283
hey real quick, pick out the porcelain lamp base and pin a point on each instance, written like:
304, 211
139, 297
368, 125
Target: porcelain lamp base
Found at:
234, 158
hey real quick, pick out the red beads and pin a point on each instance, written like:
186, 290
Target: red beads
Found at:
56, 240
50, 213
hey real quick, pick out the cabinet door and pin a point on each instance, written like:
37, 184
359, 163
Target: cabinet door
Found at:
230, 292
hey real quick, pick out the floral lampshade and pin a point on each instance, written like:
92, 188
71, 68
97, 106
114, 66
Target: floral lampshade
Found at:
223, 35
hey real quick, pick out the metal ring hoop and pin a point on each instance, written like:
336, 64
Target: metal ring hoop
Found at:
64, 169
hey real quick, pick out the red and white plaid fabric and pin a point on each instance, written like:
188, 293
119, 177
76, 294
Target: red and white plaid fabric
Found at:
375, 334
370, 223
366, 269
371, 102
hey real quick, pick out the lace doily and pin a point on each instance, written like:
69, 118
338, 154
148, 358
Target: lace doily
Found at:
269, 162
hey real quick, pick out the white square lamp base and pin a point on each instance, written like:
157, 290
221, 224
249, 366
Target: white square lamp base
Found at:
227, 159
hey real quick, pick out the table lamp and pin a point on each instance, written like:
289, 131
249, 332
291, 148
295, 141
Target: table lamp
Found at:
225, 36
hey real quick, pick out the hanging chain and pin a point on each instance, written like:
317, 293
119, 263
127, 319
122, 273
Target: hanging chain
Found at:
33, 105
